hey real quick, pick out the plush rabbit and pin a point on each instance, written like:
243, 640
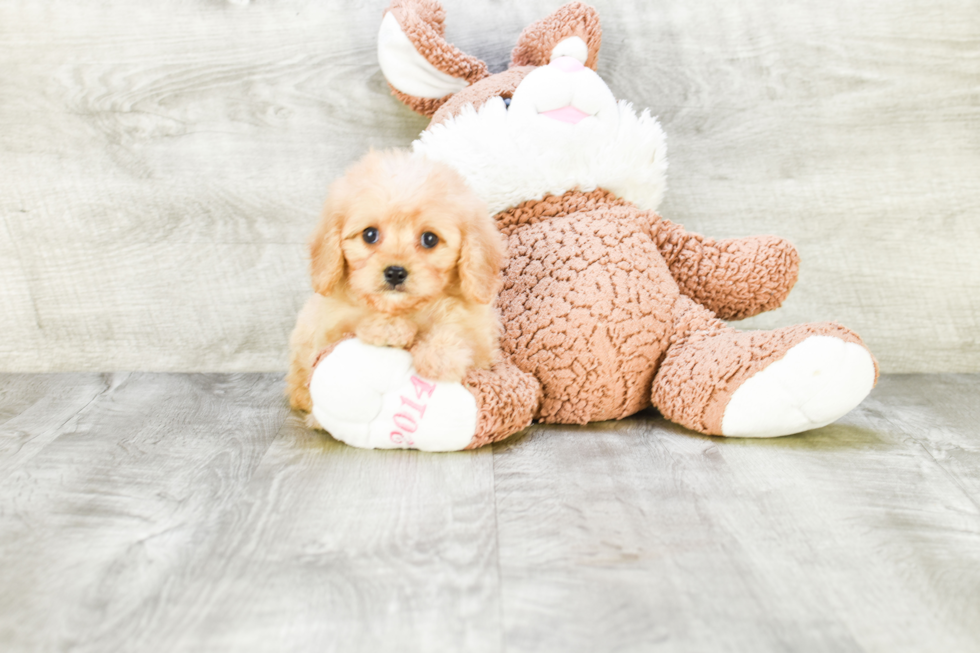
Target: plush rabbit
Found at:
607, 308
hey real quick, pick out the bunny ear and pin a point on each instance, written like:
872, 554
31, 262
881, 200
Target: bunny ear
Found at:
572, 31
422, 69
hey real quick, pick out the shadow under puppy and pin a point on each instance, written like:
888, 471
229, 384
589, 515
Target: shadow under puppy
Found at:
405, 255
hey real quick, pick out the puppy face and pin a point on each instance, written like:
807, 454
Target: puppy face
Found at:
399, 259
399, 231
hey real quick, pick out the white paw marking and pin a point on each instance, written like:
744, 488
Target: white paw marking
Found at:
815, 383
371, 397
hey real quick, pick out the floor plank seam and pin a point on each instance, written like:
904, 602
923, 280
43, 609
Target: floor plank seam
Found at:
57, 431
949, 475
496, 538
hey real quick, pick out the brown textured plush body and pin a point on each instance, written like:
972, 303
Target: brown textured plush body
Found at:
404, 256
592, 297
608, 309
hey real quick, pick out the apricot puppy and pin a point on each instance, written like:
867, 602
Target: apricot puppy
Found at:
405, 255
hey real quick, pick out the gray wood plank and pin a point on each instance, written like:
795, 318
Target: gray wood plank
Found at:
94, 525
163, 163
163, 166
338, 549
166, 512
158, 518
36, 408
941, 413
641, 536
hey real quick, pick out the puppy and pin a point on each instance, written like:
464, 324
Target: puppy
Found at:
405, 255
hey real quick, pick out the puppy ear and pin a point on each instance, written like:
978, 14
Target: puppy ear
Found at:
481, 257
326, 254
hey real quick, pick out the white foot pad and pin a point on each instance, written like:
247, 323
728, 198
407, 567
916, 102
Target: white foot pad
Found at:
814, 384
371, 397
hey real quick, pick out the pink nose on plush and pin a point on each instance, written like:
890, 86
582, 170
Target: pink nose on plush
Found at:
567, 64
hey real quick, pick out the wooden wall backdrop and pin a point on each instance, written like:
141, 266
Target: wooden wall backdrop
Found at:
161, 163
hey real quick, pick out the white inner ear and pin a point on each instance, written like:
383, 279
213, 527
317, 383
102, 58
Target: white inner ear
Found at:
573, 47
407, 70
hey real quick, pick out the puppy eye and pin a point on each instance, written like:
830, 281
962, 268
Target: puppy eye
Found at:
370, 235
507, 102
429, 240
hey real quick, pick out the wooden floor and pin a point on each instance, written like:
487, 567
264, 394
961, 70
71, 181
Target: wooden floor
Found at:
173, 512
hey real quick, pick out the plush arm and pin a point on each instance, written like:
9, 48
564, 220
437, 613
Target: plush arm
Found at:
734, 278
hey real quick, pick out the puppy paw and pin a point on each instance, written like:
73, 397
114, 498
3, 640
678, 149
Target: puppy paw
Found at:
373, 398
441, 364
387, 331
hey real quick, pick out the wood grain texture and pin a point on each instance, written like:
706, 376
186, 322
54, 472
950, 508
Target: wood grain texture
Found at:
164, 162
36, 410
338, 549
162, 515
175, 512
641, 536
98, 523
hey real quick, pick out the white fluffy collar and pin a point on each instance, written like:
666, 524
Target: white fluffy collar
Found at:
508, 161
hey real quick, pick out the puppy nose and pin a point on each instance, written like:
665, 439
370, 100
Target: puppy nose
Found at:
395, 274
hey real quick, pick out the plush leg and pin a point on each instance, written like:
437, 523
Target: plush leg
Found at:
372, 397
720, 381
508, 399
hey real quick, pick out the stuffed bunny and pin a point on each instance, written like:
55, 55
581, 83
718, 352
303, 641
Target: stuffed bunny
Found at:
607, 308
